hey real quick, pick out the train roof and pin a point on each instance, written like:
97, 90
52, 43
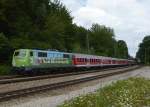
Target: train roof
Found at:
80, 54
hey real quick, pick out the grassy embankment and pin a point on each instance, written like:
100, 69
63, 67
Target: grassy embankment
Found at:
134, 92
5, 69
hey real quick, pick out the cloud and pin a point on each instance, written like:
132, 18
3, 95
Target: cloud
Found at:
129, 18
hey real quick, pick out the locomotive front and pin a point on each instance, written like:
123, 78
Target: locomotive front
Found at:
21, 59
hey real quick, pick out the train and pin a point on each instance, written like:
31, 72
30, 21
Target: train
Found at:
34, 60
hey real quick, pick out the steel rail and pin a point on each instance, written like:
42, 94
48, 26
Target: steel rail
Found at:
19, 93
25, 79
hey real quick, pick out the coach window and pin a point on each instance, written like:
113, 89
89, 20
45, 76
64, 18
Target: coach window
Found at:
31, 53
80, 59
42, 54
90, 60
66, 56
83, 59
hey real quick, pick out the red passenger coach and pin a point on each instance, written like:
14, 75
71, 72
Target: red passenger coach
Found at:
83, 60
80, 60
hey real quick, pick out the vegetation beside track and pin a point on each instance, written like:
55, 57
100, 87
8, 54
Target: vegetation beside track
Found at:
134, 92
5, 69
48, 24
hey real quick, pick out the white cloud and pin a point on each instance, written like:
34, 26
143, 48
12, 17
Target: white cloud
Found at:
129, 18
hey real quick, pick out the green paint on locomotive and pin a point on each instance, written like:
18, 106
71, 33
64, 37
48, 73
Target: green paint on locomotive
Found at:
21, 58
28, 58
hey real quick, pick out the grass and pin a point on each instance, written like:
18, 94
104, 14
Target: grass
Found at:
134, 92
5, 70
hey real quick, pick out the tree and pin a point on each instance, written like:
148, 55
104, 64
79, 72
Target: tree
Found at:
122, 49
80, 39
4, 49
102, 40
45, 24
143, 53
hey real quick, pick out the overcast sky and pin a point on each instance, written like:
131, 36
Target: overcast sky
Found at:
130, 19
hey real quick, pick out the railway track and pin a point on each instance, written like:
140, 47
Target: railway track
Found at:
10, 77
17, 78
16, 93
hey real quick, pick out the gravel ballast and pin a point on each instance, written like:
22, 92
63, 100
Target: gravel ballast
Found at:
55, 97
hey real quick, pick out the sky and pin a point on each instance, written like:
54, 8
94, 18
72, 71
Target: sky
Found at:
130, 19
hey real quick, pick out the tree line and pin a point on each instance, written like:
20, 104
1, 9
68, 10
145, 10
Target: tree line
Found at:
46, 24
143, 54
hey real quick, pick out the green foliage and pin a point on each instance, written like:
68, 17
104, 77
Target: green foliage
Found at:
103, 43
5, 70
80, 39
143, 53
46, 24
134, 92
4, 48
102, 39
122, 50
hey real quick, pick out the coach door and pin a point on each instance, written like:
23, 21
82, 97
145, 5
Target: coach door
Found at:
31, 57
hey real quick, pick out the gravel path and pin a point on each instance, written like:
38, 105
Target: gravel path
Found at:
145, 73
55, 97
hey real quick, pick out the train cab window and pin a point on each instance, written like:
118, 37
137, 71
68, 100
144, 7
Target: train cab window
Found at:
42, 54
65, 56
31, 53
20, 53
16, 54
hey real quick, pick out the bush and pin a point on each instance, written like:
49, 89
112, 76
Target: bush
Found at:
134, 92
5, 70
